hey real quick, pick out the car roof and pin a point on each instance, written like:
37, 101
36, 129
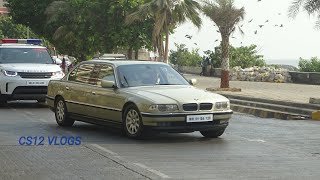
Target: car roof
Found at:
15, 45
124, 62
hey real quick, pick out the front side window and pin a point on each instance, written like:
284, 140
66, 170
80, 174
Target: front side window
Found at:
103, 72
25, 55
82, 73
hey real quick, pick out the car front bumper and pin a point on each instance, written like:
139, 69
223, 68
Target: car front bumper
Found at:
177, 122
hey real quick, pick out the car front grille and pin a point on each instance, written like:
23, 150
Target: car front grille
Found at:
205, 106
190, 107
194, 106
31, 75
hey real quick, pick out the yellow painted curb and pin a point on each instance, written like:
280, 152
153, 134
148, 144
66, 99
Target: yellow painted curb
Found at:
316, 115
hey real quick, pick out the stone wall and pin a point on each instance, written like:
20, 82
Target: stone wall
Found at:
260, 74
266, 74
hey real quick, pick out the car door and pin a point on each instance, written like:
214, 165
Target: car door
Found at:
108, 101
78, 88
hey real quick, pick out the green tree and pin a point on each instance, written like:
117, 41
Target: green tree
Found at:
312, 7
226, 16
183, 57
246, 56
8, 29
30, 13
81, 28
165, 14
312, 65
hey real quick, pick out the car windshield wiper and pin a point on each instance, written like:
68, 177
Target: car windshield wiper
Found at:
126, 81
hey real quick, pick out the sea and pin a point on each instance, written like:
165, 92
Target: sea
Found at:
292, 62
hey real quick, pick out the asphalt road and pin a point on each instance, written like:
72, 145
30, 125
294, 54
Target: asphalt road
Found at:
251, 148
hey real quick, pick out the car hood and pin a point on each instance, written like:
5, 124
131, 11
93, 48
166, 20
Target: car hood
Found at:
176, 94
23, 67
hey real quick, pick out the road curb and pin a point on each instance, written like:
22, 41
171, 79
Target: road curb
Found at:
266, 108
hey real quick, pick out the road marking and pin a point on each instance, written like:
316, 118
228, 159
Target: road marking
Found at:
256, 140
158, 173
162, 175
104, 149
29, 113
252, 140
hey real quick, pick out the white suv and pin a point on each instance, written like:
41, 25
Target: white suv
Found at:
25, 70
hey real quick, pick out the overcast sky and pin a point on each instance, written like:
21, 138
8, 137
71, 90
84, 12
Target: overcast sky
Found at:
298, 37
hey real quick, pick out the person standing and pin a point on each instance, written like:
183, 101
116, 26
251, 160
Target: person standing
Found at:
63, 65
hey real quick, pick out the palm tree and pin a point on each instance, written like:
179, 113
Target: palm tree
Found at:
311, 6
226, 16
166, 14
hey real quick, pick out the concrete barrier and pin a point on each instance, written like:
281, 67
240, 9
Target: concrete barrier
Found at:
305, 77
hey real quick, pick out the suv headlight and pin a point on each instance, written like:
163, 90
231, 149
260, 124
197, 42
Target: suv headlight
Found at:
58, 74
222, 105
9, 73
163, 107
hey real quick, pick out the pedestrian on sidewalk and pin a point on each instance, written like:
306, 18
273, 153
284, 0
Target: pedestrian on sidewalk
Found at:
204, 64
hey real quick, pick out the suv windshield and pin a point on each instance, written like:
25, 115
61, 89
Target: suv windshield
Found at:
25, 55
149, 75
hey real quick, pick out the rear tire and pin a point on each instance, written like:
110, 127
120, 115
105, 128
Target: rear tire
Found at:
212, 133
61, 113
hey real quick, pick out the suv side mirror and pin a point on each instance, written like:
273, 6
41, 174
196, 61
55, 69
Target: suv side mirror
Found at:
107, 84
193, 82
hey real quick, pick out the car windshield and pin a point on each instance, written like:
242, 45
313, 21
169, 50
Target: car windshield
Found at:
149, 75
25, 55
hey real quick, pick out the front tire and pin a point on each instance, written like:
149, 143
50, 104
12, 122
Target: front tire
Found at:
3, 100
212, 133
132, 122
61, 113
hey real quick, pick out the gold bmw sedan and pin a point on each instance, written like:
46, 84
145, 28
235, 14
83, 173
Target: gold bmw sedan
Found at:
137, 96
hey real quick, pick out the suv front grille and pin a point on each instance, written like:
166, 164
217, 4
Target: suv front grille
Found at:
31, 75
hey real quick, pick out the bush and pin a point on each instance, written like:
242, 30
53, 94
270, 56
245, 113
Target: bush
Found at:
312, 65
244, 56
183, 57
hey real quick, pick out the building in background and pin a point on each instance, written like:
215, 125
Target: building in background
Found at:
3, 10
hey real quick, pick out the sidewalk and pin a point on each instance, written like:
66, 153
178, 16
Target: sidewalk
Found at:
298, 93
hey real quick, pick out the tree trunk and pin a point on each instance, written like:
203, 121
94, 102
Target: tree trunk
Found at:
225, 62
130, 53
136, 54
166, 51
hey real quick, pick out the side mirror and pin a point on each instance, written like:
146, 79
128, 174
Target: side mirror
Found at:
107, 84
193, 82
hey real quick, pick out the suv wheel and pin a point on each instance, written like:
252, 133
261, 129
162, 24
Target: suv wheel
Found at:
212, 133
132, 122
3, 100
61, 113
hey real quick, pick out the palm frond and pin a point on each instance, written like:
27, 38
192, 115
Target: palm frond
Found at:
295, 8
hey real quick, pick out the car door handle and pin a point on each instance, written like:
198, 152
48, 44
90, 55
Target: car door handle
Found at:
94, 93
67, 88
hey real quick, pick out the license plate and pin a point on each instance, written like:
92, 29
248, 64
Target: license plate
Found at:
200, 118
36, 83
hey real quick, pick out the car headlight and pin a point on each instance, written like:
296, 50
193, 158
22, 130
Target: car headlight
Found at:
222, 105
58, 74
9, 73
163, 107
